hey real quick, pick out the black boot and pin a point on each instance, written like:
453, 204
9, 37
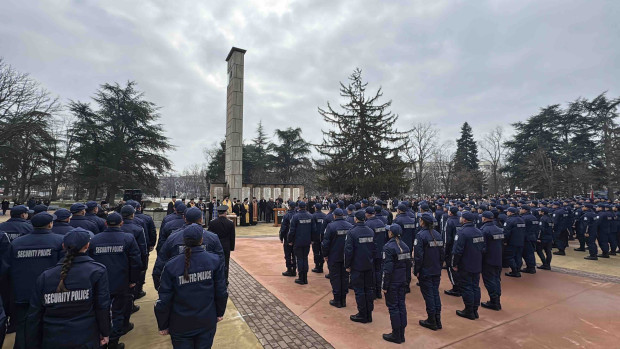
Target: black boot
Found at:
430, 322
402, 335
135, 308
531, 270
613, 253
378, 295
493, 304
476, 313
305, 278
591, 258
467, 313
544, 267
327, 276
453, 292
580, 249
438, 321
300, 280
128, 328
393, 337
289, 272
358, 318
335, 303
317, 269
514, 274
114, 344
559, 253
603, 255
343, 301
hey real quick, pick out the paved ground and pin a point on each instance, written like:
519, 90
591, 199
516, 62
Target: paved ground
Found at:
573, 306
546, 310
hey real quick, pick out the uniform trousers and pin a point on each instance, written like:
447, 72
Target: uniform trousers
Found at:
378, 266
470, 288
603, 241
363, 285
301, 253
197, 339
339, 279
289, 256
543, 249
528, 254
395, 301
491, 276
120, 302
429, 286
511, 253
20, 312
316, 252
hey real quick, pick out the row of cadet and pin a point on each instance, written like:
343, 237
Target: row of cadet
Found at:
69, 279
365, 253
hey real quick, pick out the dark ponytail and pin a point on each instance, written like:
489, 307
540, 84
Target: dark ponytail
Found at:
189, 243
66, 266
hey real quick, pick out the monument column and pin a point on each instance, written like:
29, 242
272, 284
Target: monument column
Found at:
234, 123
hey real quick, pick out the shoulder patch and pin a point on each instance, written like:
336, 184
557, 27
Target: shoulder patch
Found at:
415, 242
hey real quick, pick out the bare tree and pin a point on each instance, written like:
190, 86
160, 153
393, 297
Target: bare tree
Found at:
493, 149
443, 167
422, 141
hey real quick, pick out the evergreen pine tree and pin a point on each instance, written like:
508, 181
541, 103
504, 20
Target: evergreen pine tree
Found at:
466, 157
360, 148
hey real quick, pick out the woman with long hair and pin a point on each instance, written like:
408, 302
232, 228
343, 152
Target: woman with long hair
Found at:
192, 294
70, 307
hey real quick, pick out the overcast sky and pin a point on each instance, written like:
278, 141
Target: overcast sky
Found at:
486, 62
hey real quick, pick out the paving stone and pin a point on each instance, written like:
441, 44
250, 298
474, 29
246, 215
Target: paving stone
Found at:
269, 319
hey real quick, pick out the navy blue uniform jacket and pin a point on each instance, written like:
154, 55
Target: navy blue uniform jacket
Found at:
332, 246
359, 249
468, 249
396, 262
70, 319
428, 253
188, 305
494, 240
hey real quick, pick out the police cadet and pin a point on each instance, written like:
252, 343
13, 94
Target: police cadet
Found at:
79, 220
615, 228
119, 252
560, 226
492, 260
61, 224
300, 236
467, 261
317, 219
604, 226
17, 225
428, 256
396, 263
379, 214
92, 208
451, 228
589, 225
175, 243
134, 228
289, 256
532, 228
359, 251
514, 239
350, 214
378, 227
224, 229
171, 223
407, 224
29, 256
192, 294
333, 250
544, 241
151, 231
70, 307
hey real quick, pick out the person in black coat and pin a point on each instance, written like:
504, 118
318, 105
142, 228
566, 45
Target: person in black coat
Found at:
225, 230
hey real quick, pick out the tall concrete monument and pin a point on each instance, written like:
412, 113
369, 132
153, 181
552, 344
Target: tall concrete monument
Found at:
234, 123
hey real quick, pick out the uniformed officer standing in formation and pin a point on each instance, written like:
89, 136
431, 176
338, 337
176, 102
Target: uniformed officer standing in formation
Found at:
451, 227
396, 264
300, 237
70, 307
359, 252
17, 225
79, 220
92, 208
133, 227
428, 257
408, 225
514, 238
378, 227
289, 256
532, 227
192, 294
467, 262
120, 254
29, 256
492, 260
317, 220
171, 223
61, 224
544, 242
333, 250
